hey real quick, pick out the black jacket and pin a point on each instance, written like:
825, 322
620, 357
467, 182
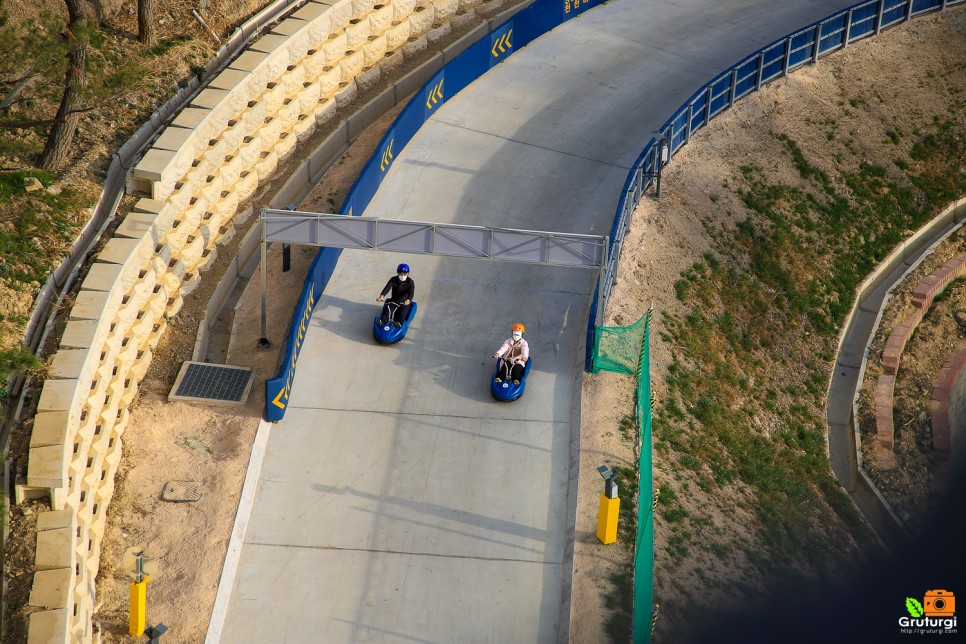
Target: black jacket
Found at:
401, 291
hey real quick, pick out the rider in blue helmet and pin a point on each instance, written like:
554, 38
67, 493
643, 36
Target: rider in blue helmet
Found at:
403, 290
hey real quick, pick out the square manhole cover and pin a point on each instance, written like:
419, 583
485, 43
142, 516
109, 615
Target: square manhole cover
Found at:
181, 491
212, 383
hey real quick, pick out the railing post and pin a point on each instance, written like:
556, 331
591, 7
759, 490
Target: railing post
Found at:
878, 17
687, 123
788, 56
818, 42
942, 7
731, 91
707, 106
760, 70
848, 29
908, 10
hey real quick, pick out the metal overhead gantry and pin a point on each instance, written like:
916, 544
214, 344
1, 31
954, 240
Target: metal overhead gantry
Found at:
416, 237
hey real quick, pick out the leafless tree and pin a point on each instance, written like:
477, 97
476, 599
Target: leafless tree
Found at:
147, 30
57, 148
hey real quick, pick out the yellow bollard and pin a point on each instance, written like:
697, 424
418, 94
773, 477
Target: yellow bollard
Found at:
136, 625
607, 518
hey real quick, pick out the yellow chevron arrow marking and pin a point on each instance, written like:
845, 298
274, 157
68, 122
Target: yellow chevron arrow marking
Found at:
386, 157
435, 96
502, 44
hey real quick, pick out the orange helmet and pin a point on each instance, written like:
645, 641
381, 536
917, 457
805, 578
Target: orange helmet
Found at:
518, 327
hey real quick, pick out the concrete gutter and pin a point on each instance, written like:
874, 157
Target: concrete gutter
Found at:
844, 439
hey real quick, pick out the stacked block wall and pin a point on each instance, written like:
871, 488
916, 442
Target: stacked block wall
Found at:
922, 297
199, 175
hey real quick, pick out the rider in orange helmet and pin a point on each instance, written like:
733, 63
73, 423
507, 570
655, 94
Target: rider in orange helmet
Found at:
513, 355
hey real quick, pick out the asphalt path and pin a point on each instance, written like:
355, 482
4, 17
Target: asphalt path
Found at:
397, 501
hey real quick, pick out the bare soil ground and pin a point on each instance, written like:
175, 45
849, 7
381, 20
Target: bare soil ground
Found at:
211, 445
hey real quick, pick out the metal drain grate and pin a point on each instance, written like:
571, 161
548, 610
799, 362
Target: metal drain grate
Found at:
212, 383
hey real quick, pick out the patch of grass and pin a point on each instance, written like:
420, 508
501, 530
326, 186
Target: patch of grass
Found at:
792, 266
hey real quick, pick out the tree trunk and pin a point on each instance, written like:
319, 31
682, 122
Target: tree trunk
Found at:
147, 32
62, 133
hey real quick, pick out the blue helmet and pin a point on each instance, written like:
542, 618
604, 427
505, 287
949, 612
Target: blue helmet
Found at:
402, 268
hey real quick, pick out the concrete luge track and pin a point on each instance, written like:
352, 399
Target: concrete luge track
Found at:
397, 501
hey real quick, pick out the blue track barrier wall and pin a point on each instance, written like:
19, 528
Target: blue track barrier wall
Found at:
473, 62
801, 47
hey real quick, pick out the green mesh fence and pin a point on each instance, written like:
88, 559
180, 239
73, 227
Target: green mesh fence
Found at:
627, 350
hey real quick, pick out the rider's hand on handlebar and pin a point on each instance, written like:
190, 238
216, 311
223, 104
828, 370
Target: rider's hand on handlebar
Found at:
380, 298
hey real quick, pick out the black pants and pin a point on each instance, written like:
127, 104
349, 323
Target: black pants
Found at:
396, 313
515, 372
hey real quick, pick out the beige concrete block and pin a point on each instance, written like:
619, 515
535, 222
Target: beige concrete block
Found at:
80, 334
437, 35
346, 93
390, 61
339, 15
273, 97
163, 168
278, 47
304, 128
191, 282
194, 118
422, 19
467, 5
286, 146
329, 82
58, 395
445, 9
211, 99
311, 11
368, 78
118, 250
146, 205
54, 549
136, 226
177, 139
50, 428
191, 254
402, 9
254, 119
315, 64
49, 627
362, 7
334, 47
178, 200
56, 520
264, 68
352, 65
380, 18
307, 99
230, 198
266, 166
106, 278
299, 34
72, 363
268, 135
288, 114
398, 34
89, 305
374, 50
47, 466
244, 188
463, 18
357, 32
240, 85
208, 257
162, 325
415, 46
292, 81
232, 168
325, 111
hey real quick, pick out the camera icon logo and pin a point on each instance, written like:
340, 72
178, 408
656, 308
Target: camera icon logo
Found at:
939, 603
